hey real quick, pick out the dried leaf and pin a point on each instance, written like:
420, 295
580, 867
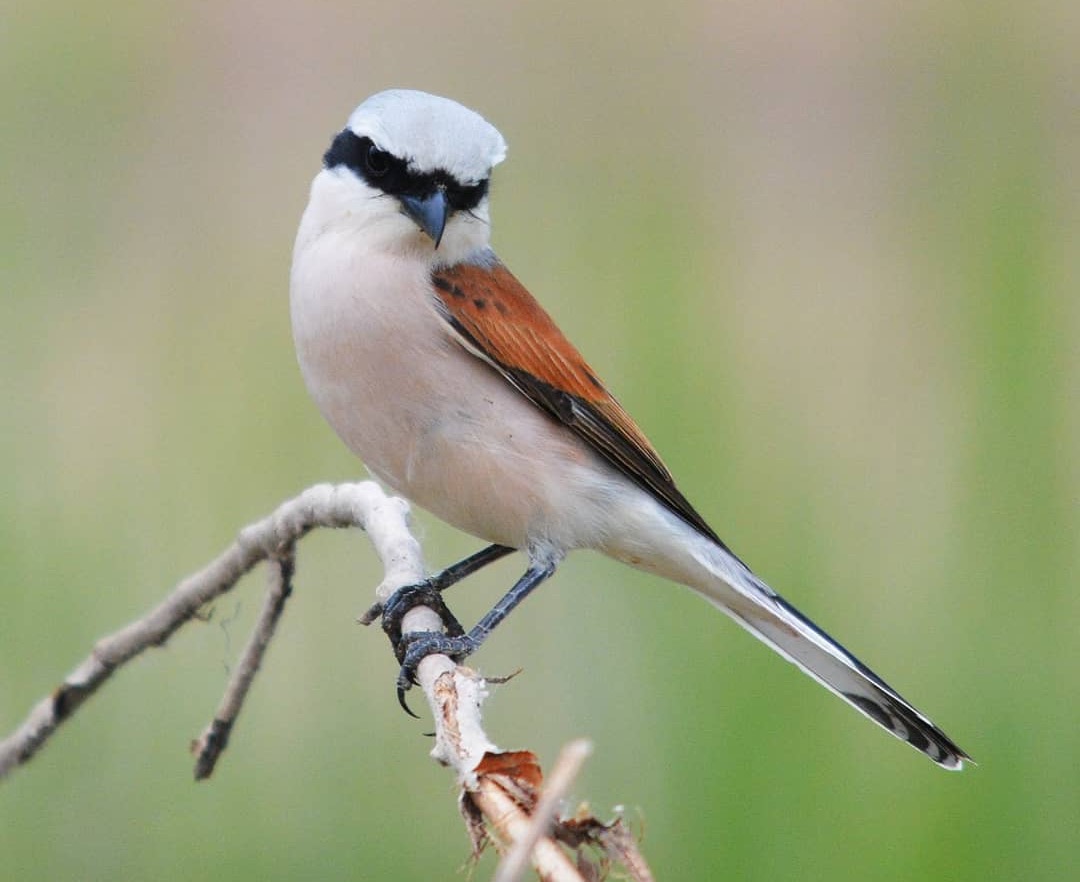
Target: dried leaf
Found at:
521, 765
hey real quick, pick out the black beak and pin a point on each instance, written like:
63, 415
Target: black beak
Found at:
429, 212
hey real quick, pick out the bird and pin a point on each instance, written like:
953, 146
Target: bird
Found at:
457, 390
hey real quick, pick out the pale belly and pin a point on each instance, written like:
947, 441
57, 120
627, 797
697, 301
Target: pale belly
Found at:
440, 426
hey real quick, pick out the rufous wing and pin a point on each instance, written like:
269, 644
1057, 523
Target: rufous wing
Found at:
502, 323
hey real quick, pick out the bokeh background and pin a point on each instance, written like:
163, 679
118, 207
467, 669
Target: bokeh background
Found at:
826, 253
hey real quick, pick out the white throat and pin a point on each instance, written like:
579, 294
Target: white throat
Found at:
342, 204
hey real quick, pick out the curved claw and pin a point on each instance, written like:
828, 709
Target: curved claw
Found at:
405, 681
418, 645
405, 707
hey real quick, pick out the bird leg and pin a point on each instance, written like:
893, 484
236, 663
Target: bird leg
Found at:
416, 645
429, 593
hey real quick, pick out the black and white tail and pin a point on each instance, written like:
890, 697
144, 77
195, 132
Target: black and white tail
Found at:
770, 618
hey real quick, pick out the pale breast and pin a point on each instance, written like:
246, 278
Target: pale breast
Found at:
431, 420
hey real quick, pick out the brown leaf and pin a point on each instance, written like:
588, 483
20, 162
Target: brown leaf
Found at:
521, 765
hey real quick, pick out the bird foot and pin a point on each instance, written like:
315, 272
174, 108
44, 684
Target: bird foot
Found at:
418, 645
411, 648
426, 593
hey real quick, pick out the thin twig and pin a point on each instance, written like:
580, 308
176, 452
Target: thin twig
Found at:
361, 505
499, 789
513, 824
215, 737
563, 774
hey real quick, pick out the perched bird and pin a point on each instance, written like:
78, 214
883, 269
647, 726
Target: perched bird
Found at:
454, 386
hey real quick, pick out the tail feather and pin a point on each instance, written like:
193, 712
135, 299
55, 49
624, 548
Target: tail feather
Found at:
778, 624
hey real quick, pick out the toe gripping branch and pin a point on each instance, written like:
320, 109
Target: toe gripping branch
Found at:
411, 648
426, 593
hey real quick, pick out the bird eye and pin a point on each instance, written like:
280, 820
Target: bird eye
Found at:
377, 161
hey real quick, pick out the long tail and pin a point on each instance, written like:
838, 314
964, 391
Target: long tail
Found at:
774, 621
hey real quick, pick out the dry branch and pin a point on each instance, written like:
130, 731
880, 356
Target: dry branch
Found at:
502, 793
215, 737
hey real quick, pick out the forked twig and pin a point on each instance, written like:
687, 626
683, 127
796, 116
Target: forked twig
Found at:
500, 791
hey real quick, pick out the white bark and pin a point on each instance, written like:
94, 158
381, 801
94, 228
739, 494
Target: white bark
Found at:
500, 788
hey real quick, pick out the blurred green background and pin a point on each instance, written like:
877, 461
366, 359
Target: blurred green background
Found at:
825, 253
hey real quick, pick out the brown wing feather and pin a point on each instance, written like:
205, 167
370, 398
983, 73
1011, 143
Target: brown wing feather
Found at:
500, 319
